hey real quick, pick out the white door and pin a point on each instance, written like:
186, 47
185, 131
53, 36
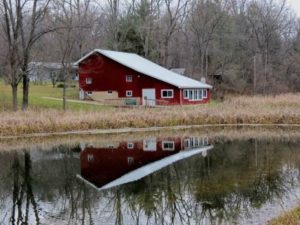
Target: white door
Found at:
148, 97
149, 145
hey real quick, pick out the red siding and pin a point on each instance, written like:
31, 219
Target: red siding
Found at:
110, 75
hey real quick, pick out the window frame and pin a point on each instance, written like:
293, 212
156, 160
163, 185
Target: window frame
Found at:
127, 93
127, 78
168, 148
130, 145
185, 93
204, 91
88, 80
167, 90
193, 94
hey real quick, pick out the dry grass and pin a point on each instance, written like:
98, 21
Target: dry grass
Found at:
282, 109
290, 218
218, 134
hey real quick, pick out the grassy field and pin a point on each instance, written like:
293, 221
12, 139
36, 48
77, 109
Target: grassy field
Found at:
37, 100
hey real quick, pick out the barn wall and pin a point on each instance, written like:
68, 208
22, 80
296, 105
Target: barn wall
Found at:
110, 75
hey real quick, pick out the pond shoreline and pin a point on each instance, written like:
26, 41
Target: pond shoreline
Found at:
244, 110
135, 130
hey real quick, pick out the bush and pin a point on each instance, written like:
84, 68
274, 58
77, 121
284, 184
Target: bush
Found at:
60, 85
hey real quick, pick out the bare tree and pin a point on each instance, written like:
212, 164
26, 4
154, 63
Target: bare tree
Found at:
22, 27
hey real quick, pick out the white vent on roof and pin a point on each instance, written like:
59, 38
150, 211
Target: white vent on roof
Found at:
203, 80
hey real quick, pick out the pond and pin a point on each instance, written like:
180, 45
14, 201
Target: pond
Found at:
177, 177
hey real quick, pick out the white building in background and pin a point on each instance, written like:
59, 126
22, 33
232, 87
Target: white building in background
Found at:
46, 71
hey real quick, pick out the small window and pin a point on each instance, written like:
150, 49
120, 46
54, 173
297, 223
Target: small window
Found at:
130, 145
109, 92
168, 93
88, 80
130, 160
187, 143
89, 92
200, 94
128, 93
90, 157
185, 94
196, 95
168, 145
128, 78
204, 93
191, 96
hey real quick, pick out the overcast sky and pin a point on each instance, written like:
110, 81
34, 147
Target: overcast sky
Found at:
295, 5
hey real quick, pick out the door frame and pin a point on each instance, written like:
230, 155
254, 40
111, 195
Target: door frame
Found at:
151, 102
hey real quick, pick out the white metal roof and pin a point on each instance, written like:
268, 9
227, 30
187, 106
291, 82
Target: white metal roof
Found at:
149, 68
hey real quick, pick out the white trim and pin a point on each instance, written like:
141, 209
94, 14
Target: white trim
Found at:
168, 142
162, 90
129, 93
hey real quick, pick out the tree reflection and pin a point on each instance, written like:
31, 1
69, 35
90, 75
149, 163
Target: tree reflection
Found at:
23, 192
234, 179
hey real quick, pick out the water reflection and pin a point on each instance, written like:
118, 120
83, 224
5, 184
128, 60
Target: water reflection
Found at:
236, 182
119, 163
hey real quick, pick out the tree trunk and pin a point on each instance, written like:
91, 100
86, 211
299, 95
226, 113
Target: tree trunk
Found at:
64, 96
254, 74
15, 97
25, 92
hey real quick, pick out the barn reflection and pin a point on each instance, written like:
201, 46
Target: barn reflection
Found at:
123, 162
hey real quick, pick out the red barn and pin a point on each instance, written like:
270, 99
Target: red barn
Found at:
113, 75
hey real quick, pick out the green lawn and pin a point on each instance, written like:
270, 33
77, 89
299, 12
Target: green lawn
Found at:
36, 100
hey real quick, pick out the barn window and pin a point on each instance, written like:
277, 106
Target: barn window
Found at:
109, 92
204, 91
90, 157
89, 92
88, 80
128, 93
128, 78
200, 94
130, 160
167, 93
193, 94
130, 145
185, 94
196, 95
168, 145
